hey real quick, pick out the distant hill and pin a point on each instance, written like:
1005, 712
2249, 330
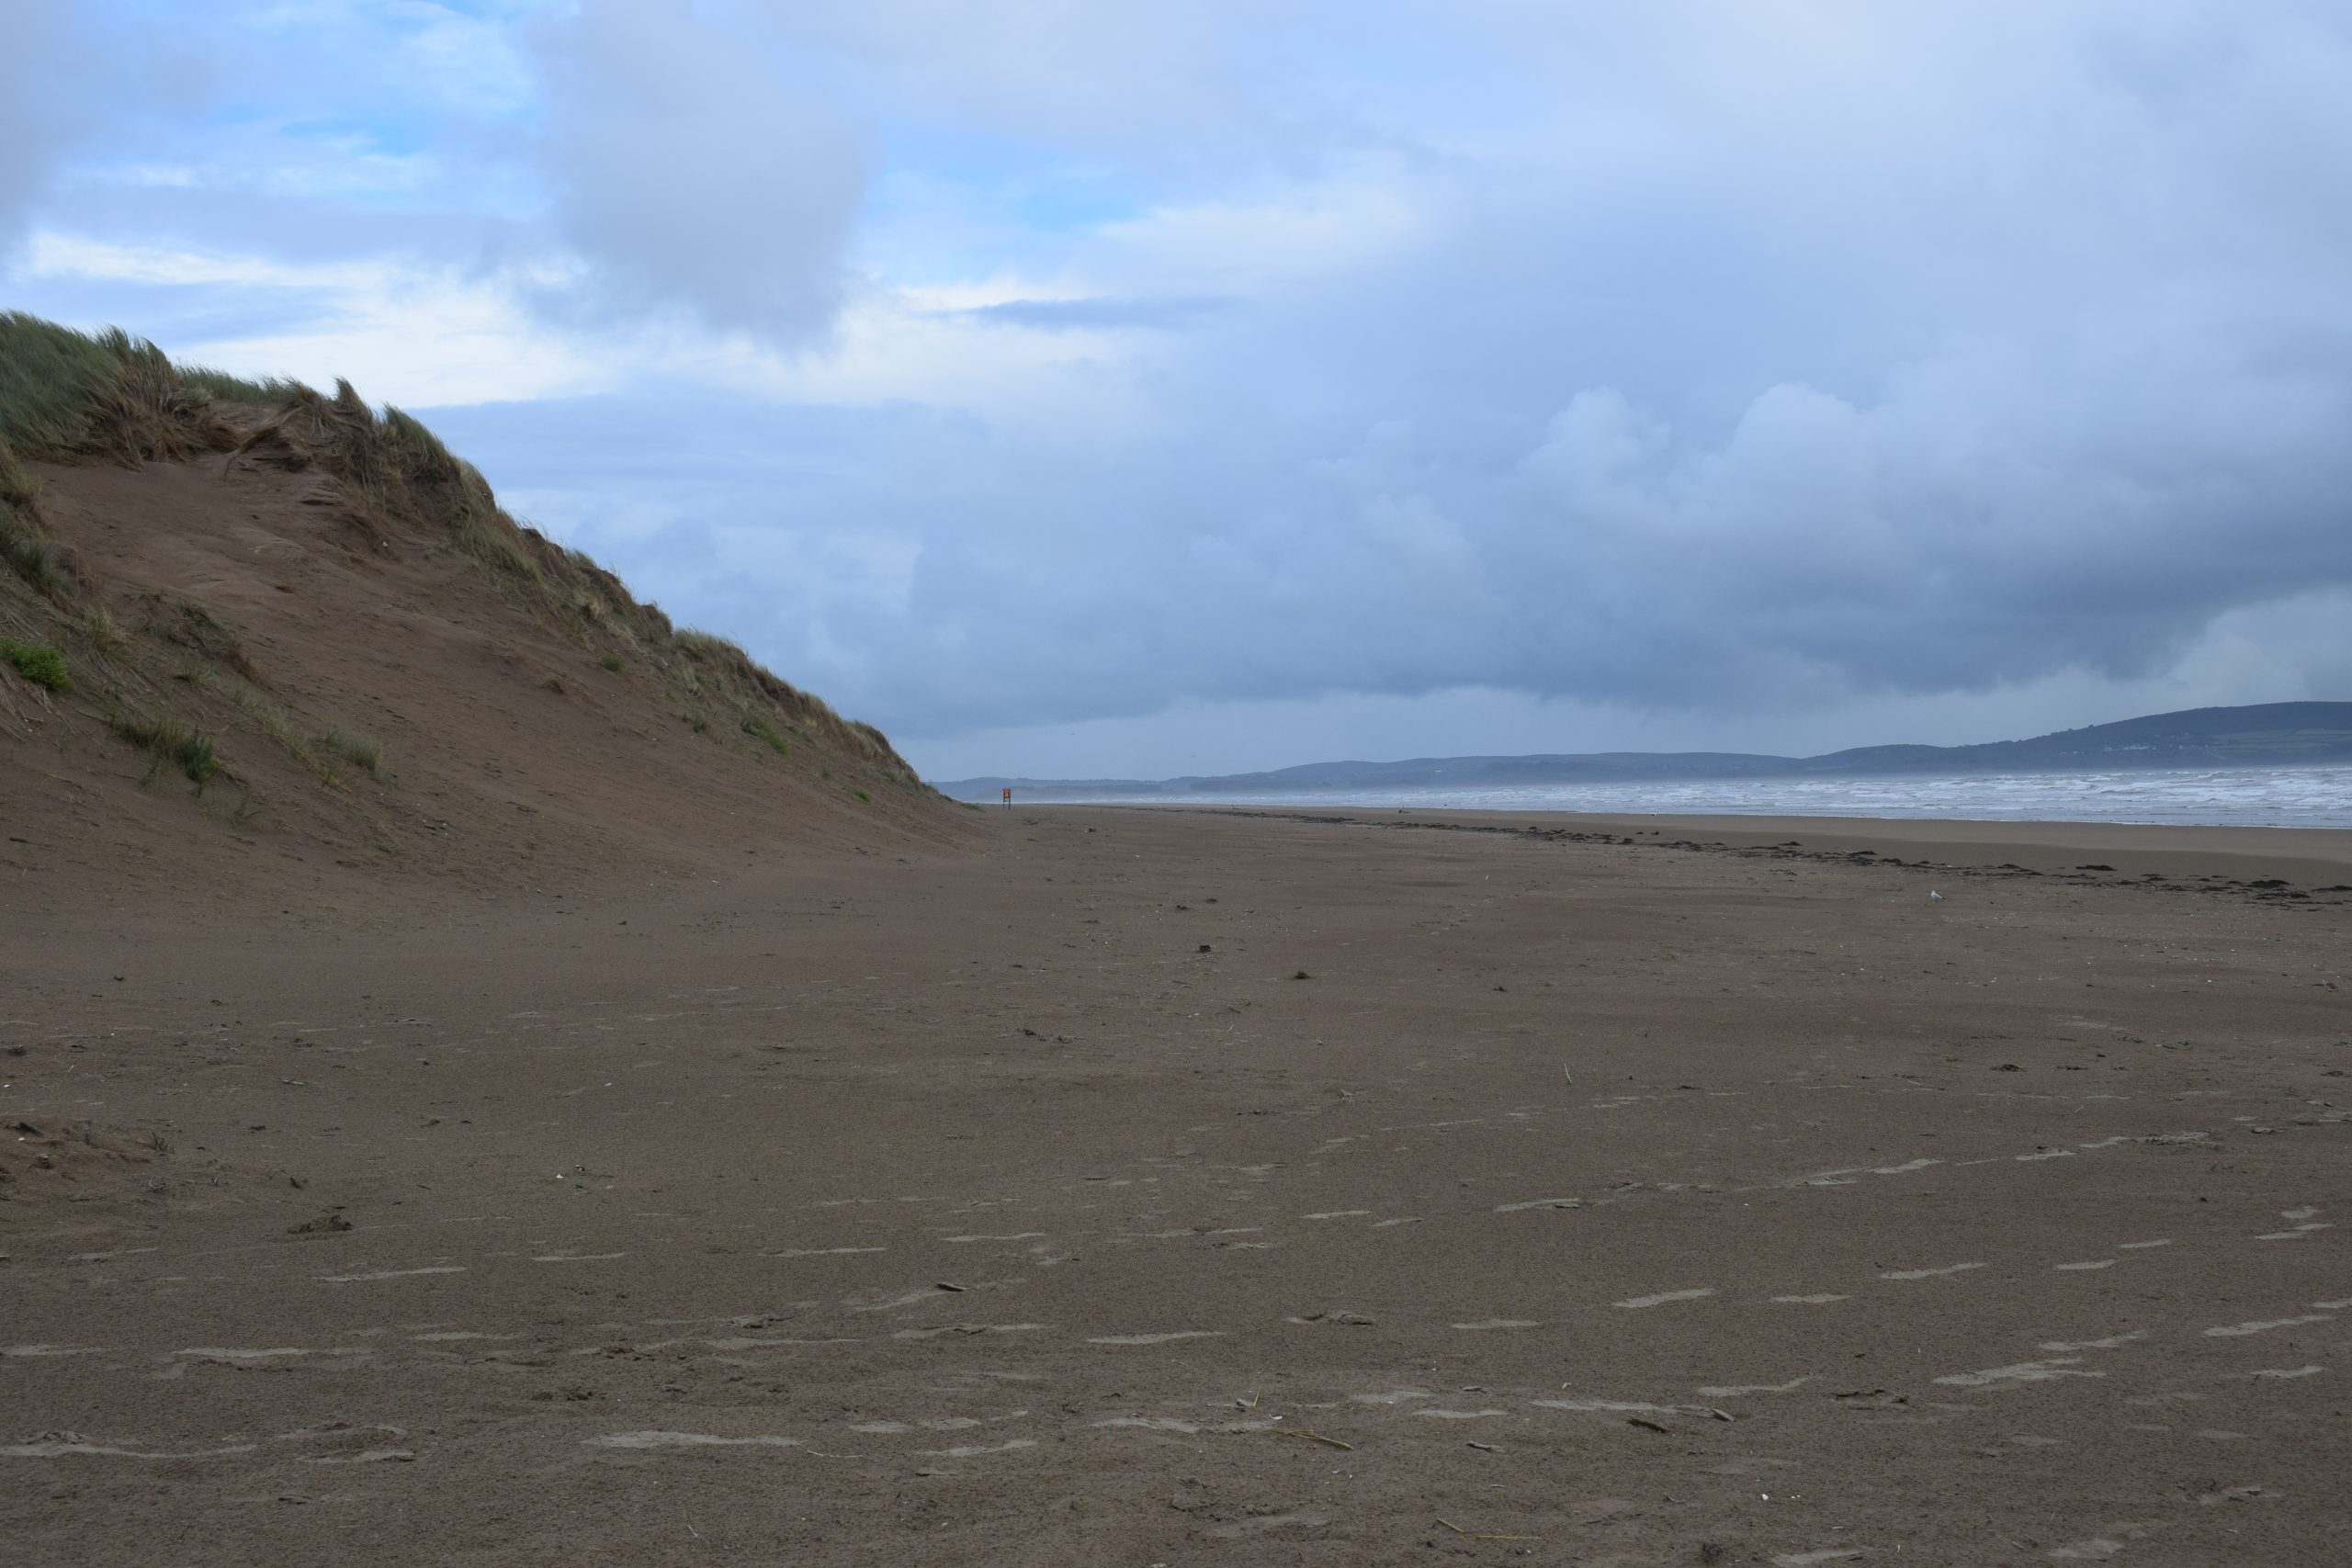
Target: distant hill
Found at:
2262, 734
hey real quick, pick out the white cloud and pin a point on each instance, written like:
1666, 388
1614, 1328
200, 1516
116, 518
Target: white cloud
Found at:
401, 332
687, 175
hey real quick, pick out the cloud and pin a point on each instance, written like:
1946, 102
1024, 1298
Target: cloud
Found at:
687, 173
1095, 314
1032, 368
402, 332
40, 115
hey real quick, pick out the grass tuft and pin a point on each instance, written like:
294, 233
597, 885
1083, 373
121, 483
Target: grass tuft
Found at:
169, 743
50, 379
611, 662
274, 723
496, 540
195, 755
42, 562
38, 662
356, 750
758, 729
105, 633
420, 452
270, 391
18, 487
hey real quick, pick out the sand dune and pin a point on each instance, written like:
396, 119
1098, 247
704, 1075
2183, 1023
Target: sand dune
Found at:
388, 677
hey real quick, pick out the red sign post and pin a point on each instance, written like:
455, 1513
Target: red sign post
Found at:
1007, 797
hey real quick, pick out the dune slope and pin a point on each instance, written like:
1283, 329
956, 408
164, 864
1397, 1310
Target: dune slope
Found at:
293, 638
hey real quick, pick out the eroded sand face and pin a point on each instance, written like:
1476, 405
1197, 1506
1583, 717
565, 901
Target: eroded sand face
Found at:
1024, 1206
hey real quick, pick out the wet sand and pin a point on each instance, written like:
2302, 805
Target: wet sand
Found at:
1158, 1186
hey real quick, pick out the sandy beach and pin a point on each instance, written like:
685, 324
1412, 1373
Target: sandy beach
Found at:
1182, 1187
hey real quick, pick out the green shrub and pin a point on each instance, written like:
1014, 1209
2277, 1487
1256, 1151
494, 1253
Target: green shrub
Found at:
861, 794
38, 662
611, 662
194, 753
758, 729
169, 743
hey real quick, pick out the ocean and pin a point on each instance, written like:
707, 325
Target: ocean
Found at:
2250, 797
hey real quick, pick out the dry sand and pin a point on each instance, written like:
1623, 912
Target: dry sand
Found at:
1128, 1187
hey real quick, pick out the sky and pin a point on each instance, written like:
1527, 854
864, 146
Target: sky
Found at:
1090, 390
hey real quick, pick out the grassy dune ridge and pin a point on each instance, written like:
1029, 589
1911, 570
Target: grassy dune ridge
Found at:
82, 398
